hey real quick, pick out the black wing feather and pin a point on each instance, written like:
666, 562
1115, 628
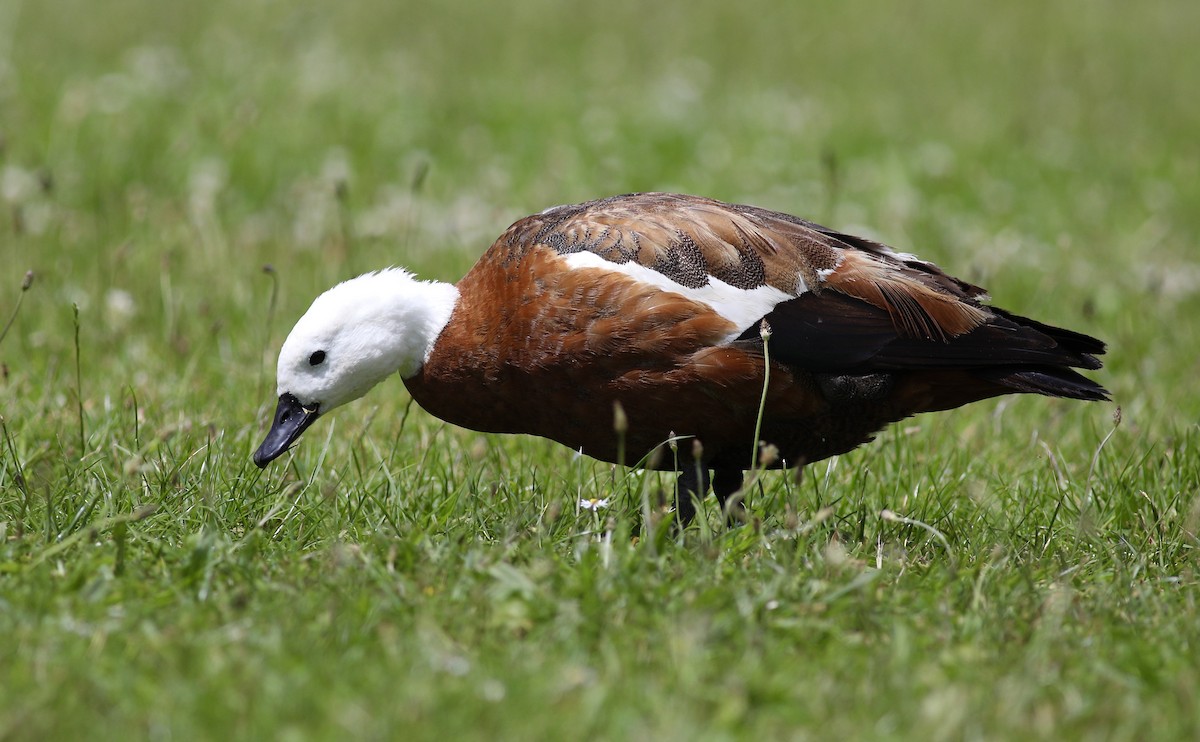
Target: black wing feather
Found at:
831, 333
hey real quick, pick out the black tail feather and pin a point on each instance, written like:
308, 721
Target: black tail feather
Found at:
1052, 381
1084, 347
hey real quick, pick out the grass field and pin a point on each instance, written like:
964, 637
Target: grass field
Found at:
1024, 568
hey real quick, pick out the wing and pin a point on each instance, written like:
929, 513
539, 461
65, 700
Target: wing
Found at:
836, 303
728, 255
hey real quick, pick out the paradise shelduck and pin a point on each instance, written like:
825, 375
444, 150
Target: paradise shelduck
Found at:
669, 306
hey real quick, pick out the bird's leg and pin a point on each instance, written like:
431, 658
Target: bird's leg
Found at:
693, 486
725, 484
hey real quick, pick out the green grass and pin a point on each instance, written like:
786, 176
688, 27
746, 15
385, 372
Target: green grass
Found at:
996, 572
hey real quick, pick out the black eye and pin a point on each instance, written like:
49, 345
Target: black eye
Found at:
317, 358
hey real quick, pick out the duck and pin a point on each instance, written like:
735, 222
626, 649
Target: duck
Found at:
675, 333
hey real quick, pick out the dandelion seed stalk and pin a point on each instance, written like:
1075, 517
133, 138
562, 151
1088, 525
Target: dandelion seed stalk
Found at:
764, 332
78, 383
1116, 418
25, 284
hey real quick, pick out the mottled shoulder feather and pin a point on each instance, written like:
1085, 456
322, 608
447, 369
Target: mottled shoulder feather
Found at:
687, 239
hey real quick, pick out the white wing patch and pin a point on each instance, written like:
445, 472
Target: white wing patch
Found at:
742, 307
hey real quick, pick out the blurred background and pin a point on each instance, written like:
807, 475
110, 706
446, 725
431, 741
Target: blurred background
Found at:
187, 176
156, 155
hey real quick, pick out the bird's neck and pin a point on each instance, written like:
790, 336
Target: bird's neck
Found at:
419, 313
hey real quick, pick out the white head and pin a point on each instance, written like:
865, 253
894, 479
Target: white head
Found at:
354, 336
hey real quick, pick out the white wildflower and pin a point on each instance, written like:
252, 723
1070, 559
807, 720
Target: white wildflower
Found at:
119, 306
17, 185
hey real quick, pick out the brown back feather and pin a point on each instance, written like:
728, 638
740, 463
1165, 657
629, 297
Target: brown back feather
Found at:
690, 239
